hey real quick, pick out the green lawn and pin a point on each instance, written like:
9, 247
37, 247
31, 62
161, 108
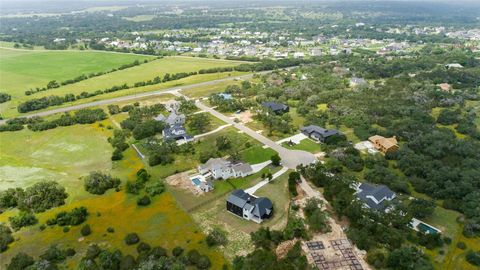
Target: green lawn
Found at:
67, 153
257, 154
306, 145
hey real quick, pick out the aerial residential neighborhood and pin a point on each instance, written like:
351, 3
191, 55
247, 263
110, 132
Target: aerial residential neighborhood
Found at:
254, 135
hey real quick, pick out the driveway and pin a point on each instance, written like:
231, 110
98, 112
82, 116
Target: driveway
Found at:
264, 182
296, 139
290, 158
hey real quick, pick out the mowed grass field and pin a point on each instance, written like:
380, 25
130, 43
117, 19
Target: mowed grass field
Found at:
65, 154
21, 70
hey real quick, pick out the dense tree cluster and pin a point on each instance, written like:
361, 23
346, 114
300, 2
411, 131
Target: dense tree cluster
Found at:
118, 142
98, 183
199, 123
83, 116
6, 237
48, 260
140, 120
23, 219
37, 198
4, 97
75, 217
382, 234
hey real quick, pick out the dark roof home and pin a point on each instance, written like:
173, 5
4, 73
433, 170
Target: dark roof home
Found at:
276, 107
248, 206
318, 133
375, 196
176, 132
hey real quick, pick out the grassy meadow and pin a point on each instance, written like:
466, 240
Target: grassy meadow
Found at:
65, 154
21, 70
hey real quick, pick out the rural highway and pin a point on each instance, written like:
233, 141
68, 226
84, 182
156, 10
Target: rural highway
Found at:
136, 96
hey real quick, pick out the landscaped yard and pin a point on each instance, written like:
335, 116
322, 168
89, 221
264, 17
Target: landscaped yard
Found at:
241, 143
306, 145
257, 154
213, 214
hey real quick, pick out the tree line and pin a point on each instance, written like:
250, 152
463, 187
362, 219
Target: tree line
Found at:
54, 84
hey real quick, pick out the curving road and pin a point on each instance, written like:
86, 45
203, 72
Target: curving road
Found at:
290, 158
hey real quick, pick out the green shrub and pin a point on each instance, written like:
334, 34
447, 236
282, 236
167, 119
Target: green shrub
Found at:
177, 251
216, 238
5, 237
98, 183
131, 239
461, 245
143, 247
20, 261
143, 201
473, 257
86, 230
22, 220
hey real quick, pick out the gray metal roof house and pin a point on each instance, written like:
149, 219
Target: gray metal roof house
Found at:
276, 107
176, 132
375, 196
248, 206
318, 133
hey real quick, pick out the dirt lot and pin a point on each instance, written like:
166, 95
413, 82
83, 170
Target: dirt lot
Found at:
244, 117
330, 250
182, 181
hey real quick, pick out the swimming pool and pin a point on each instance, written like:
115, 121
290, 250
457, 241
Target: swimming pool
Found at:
196, 181
426, 229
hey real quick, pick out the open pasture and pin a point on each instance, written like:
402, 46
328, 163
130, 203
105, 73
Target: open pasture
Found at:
52, 155
21, 70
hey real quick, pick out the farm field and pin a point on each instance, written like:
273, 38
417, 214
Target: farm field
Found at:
9, 109
21, 70
28, 71
51, 155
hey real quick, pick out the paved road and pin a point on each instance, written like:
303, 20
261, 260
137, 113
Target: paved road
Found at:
290, 158
135, 96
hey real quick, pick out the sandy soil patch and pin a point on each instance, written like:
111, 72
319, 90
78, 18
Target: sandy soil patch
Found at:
244, 117
182, 181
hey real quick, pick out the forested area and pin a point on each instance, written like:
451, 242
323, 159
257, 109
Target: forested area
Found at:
439, 141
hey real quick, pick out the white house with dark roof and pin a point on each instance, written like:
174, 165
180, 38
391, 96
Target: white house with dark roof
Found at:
220, 168
249, 207
376, 197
